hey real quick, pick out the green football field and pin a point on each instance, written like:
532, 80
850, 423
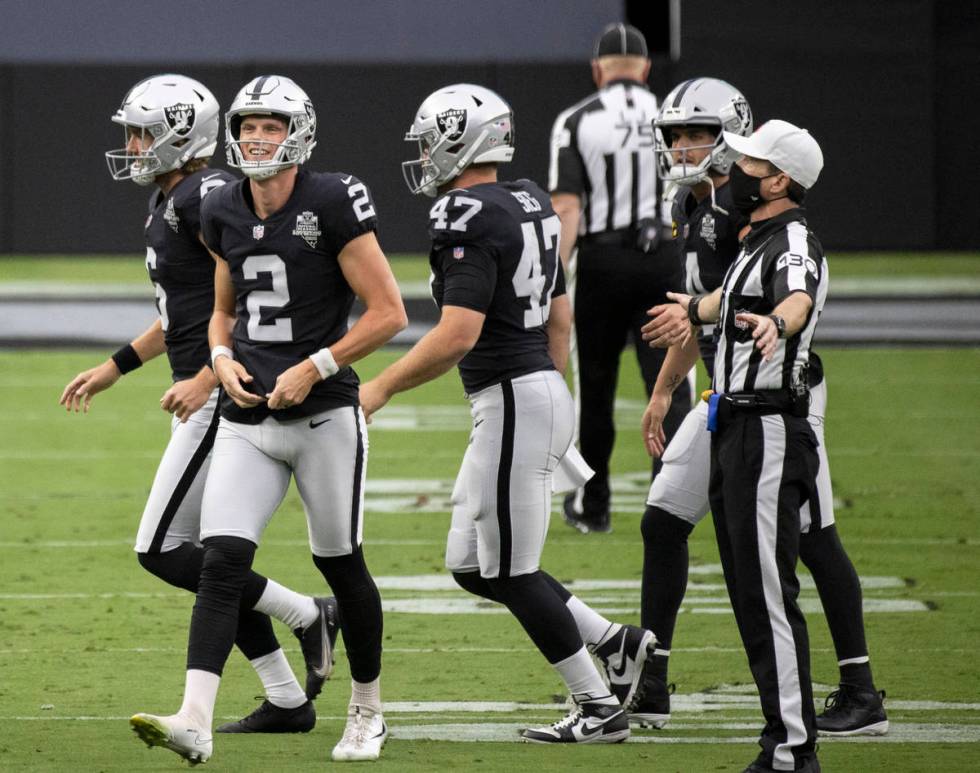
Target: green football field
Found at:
89, 638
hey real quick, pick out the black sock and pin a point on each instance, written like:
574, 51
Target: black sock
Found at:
840, 593
665, 560
359, 604
214, 622
541, 612
857, 675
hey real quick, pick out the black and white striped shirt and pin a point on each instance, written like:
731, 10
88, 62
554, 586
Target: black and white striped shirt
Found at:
602, 151
780, 256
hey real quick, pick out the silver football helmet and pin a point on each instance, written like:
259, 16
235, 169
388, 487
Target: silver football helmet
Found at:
279, 96
455, 127
177, 113
706, 102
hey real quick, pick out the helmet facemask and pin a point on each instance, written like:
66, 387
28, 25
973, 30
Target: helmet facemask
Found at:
675, 165
422, 175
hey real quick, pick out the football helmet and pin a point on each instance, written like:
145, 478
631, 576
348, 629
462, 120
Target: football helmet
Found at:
706, 102
455, 127
180, 116
279, 96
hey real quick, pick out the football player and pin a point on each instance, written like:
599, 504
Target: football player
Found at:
505, 322
693, 154
171, 127
294, 248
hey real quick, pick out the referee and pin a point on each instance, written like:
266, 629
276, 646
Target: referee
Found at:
603, 184
763, 451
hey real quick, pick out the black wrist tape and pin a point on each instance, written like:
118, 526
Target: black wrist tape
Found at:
127, 359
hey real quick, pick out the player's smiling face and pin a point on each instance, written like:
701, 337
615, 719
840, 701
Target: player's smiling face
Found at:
260, 135
690, 144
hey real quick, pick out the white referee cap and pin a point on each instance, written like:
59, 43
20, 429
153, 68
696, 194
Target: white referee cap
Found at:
787, 147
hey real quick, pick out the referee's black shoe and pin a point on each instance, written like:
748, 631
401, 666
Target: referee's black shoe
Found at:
269, 718
809, 765
585, 522
853, 710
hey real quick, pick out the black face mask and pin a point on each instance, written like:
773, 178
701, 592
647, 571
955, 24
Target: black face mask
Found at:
746, 193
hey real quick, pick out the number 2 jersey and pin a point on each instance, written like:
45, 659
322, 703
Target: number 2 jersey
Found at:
495, 251
292, 298
182, 270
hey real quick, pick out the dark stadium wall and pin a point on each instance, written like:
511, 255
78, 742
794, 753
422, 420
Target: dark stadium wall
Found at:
889, 90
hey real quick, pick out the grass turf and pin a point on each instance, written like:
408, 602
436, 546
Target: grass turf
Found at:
89, 638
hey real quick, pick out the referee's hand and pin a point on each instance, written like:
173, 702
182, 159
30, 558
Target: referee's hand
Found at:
763, 331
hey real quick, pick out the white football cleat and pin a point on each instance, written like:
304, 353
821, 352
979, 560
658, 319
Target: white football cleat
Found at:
363, 737
588, 722
176, 733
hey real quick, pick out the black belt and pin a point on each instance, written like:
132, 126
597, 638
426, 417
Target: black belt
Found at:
626, 238
766, 401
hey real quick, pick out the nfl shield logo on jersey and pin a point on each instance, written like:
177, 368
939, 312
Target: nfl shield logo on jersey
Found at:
307, 227
458, 253
258, 231
452, 123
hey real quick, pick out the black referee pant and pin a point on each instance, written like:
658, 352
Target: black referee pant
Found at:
614, 287
763, 467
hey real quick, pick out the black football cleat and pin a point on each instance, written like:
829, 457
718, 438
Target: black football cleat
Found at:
316, 642
269, 718
625, 657
588, 722
651, 702
852, 710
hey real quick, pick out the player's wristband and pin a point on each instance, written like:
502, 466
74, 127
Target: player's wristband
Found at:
692, 310
221, 351
324, 362
127, 359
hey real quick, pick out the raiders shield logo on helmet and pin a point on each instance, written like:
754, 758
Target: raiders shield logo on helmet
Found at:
743, 112
180, 117
452, 123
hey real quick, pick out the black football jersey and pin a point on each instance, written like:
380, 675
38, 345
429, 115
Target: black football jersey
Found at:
495, 250
181, 269
708, 239
291, 296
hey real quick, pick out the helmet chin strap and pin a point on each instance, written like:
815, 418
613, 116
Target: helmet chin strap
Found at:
714, 203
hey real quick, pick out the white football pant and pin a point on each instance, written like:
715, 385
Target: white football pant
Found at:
502, 497
172, 514
252, 464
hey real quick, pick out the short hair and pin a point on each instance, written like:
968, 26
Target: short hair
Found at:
195, 165
795, 192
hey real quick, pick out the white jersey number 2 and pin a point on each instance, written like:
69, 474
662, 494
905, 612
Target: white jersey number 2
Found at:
537, 267
280, 329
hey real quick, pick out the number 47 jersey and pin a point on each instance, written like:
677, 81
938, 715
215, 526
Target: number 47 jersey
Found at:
495, 251
292, 298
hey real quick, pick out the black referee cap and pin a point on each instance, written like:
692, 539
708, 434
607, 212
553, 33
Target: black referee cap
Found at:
619, 39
